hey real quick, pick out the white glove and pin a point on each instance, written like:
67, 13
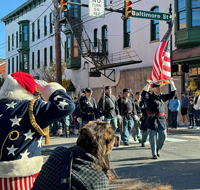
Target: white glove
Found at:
102, 118
79, 120
119, 117
41, 84
173, 88
136, 118
146, 88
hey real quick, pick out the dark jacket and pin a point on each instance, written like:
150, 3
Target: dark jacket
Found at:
156, 104
126, 107
191, 108
88, 110
111, 107
143, 108
83, 176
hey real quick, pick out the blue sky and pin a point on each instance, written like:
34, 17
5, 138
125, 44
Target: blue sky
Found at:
6, 8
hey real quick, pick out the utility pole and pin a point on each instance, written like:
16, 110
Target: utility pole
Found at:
57, 43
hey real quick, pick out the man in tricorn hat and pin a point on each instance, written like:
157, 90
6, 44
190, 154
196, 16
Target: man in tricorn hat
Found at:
111, 112
126, 108
88, 108
156, 121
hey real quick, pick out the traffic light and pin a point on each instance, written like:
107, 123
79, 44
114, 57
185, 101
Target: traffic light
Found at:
128, 8
63, 5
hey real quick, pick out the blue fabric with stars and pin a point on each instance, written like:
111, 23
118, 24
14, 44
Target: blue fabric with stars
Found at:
18, 139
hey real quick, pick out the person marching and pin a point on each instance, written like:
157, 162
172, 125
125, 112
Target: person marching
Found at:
156, 121
137, 133
87, 111
197, 109
143, 108
111, 112
127, 112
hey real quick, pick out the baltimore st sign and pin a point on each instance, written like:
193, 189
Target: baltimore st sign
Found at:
151, 15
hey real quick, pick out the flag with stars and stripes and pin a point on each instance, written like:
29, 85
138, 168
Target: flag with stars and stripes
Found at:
161, 63
20, 143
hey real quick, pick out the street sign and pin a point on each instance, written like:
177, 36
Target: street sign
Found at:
151, 15
96, 8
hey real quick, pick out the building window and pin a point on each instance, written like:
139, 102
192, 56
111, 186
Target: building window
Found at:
16, 39
95, 37
127, 32
68, 48
38, 29
13, 67
45, 25
20, 33
51, 23
51, 55
181, 14
45, 56
33, 31
33, 60
8, 66
8, 43
25, 33
195, 12
25, 57
105, 38
155, 26
13, 41
38, 58
17, 64
75, 46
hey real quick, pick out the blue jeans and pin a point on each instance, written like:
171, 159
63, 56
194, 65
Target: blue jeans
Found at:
127, 127
157, 138
57, 125
112, 122
174, 119
144, 136
137, 132
197, 117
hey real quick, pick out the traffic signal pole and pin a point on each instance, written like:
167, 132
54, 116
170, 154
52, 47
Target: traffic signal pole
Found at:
57, 43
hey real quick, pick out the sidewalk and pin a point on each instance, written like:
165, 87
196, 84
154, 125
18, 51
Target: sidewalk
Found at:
184, 130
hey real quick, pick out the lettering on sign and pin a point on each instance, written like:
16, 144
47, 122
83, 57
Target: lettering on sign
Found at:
151, 15
96, 8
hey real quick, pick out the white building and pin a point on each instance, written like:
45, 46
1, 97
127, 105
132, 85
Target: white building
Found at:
30, 43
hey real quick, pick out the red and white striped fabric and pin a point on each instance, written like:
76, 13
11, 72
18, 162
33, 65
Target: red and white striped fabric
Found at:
161, 63
17, 183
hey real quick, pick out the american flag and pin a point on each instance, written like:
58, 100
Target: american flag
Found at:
161, 63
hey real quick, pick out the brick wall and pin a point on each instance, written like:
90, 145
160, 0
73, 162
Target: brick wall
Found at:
3, 69
135, 79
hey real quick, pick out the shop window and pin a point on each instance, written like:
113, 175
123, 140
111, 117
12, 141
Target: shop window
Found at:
45, 25
127, 33
95, 37
154, 26
181, 14
195, 5
105, 38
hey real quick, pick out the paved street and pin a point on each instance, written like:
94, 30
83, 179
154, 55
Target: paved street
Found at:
179, 164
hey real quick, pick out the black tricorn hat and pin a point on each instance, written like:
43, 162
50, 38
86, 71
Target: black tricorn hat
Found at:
126, 90
89, 90
156, 85
107, 87
83, 91
75, 97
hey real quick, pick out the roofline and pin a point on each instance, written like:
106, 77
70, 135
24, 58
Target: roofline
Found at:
28, 2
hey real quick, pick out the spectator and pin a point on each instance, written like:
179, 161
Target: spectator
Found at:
197, 110
90, 166
174, 105
191, 113
184, 106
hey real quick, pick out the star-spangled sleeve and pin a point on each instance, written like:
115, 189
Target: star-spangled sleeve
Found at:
58, 107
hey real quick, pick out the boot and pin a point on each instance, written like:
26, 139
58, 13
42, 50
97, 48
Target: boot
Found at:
67, 131
59, 132
158, 153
